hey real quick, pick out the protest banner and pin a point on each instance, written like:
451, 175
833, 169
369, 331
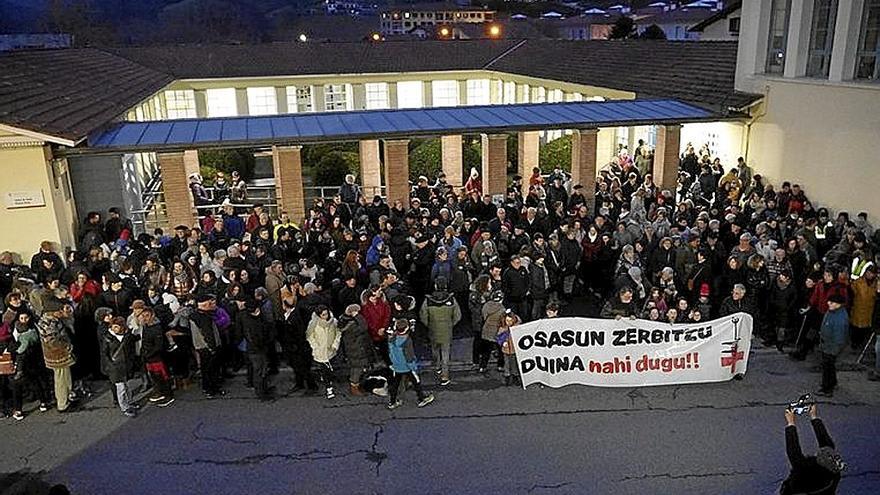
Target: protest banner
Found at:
631, 353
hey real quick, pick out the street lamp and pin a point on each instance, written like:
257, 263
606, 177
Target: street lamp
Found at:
302, 37
444, 32
376, 37
494, 31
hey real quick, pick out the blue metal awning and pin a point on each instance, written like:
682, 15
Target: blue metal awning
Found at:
168, 135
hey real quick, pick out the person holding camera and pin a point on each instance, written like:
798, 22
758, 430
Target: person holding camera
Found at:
815, 474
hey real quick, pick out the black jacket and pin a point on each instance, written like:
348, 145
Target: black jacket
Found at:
118, 358
259, 334
153, 343
515, 283
807, 476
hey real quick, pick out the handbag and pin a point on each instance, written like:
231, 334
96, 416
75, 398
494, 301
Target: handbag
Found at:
7, 364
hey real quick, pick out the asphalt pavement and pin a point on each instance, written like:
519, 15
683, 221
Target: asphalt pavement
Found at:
477, 437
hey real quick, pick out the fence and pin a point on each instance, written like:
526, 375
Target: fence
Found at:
154, 214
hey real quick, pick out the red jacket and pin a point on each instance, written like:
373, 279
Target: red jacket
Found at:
378, 317
90, 287
822, 291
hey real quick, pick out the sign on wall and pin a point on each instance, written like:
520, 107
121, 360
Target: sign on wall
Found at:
631, 353
24, 199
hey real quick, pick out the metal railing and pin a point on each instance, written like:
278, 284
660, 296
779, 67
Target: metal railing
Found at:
154, 214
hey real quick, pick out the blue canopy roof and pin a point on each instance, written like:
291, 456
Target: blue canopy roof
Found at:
389, 124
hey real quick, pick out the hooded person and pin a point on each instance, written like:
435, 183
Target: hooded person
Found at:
440, 313
358, 346
324, 337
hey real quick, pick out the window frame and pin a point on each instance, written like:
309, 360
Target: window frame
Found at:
819, 59
376, 96
865, 53
478, 92
769, 67
259, 98
173, 109
444, 93
224, 110
332, 102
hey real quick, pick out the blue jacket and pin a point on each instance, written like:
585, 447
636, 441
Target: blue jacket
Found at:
234, 226
400, 350
834, 330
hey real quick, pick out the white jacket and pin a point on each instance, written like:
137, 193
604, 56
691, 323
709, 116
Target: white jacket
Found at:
324, 337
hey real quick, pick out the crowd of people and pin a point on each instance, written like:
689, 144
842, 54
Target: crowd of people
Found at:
372, 290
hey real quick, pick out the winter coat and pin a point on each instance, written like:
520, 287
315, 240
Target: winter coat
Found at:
834, 331
402, 354
864, 300
55, 340
440, 312
730, 306
324, 338
152, 343
377, 316
515, 284
539, 282
357, 341
782, 303
118, 359
259, 334
274, 284
460, 279
492, 313
615, 307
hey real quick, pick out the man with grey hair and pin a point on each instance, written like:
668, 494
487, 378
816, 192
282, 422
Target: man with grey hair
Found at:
736, 302
349, 192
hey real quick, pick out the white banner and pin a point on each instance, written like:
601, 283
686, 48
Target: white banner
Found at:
631, 353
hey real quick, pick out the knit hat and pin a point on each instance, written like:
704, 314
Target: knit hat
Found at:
352, 309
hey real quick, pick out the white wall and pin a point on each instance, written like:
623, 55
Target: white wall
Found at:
718, 31
725, 139
824, 137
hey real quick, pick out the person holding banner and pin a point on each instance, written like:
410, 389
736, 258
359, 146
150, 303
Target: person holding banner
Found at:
505, 340
493, 312
621, 306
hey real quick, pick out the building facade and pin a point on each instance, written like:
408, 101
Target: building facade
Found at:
403, 19
818, 64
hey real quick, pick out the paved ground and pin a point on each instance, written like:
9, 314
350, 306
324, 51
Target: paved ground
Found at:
478, 437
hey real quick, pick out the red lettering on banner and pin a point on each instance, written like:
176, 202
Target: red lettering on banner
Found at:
732, 360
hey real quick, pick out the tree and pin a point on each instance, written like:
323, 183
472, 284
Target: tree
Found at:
425, 158
653, 32
228, 160
624, 28
556, 153
333, 167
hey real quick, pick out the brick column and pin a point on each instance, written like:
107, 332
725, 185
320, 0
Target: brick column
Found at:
451, 158
191, 162
527, 155
179, 206
666, 156
287, 163
371, 172
583, 162
494, 173
397, 171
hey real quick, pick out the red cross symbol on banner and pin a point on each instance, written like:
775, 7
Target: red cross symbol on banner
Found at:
732, 359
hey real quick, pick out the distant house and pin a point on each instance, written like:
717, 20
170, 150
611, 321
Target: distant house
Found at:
404, 18
722, 26
10, 42
676, 24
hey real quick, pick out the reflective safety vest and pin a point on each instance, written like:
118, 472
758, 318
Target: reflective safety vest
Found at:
859, 265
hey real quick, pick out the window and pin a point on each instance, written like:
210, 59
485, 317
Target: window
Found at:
409, 94
221, 102
444, 93
526, 93
539, 95
555, 96
377, 95
336, 97
478, 92
778, 36
508, 93
821, 37
867, 66
181, 104
733, 25
299, 99
261, 101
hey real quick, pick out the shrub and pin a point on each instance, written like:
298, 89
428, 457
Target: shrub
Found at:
332, 167
227, 160
556, 153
